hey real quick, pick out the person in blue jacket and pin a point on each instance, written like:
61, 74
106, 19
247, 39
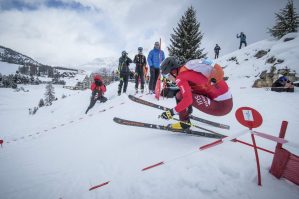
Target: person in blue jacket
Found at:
154, 59
242, 37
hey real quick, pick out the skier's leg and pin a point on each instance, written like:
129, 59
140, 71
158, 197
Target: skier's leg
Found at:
126, 79
136, 79
120, 85
152, 79
184, 115
142, 81
211, 107
92, 103
102, 99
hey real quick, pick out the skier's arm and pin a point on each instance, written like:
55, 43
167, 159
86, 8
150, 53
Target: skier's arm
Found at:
186, 93
129, 60
135, 59
150, 59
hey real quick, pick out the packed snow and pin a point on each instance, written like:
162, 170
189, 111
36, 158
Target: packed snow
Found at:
61, 153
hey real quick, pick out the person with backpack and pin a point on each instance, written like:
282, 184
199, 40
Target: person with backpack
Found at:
98, 89
154, 59
242, 37
216, 50
124, 71
201, 86
140, 61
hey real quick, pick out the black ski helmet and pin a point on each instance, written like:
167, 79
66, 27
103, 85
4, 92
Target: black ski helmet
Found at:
169, 64
124, 53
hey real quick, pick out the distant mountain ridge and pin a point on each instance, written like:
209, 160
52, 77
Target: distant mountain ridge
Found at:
11, 56
14, 57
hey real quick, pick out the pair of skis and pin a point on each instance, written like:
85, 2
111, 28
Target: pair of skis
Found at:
212, 134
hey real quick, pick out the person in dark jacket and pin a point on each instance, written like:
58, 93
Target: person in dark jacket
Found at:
283, 81
140, 61
98, 89
242, 37
154, 59
216, 50
124, 71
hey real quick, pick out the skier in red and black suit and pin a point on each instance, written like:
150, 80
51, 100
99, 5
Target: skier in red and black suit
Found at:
140, 62
201, 85
98, 89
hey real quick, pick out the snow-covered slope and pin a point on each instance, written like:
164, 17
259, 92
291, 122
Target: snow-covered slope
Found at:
61, 153
250, 66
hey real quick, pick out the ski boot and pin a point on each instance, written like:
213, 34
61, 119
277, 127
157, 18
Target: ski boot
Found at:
181, 125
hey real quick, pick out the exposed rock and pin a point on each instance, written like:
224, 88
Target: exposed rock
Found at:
267, 79
263, 75
232, 59
271, 60
261, 53
288, 39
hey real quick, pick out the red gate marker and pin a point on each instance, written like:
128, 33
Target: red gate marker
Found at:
249, 117
100, 185
1, 142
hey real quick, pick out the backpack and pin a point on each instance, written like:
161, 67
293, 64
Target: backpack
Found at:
214, 73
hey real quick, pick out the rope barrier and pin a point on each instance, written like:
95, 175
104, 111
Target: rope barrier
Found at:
55, 127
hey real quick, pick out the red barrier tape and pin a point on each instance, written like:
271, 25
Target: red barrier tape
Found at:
30, 135
152, 166
100, 185
210, 145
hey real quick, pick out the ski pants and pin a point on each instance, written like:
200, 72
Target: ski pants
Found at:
139, 75
124, 78
206, 105
242, 42
96, 95
154, 74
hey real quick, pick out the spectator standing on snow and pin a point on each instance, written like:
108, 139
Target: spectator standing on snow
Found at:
124, 71
216, 50
140, 61
154, 59
242, 37
98, 89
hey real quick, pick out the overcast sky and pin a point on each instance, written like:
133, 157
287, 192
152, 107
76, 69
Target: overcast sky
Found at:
74, 32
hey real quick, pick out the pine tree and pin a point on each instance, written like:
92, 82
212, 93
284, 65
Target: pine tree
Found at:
286, 21
41, 103
49, 94
186, 40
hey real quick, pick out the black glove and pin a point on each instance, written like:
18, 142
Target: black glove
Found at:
167, 114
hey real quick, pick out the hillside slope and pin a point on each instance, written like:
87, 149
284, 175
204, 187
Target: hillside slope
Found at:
86, 150
61, 153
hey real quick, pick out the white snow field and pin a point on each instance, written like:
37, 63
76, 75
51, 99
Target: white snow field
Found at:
61, 153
